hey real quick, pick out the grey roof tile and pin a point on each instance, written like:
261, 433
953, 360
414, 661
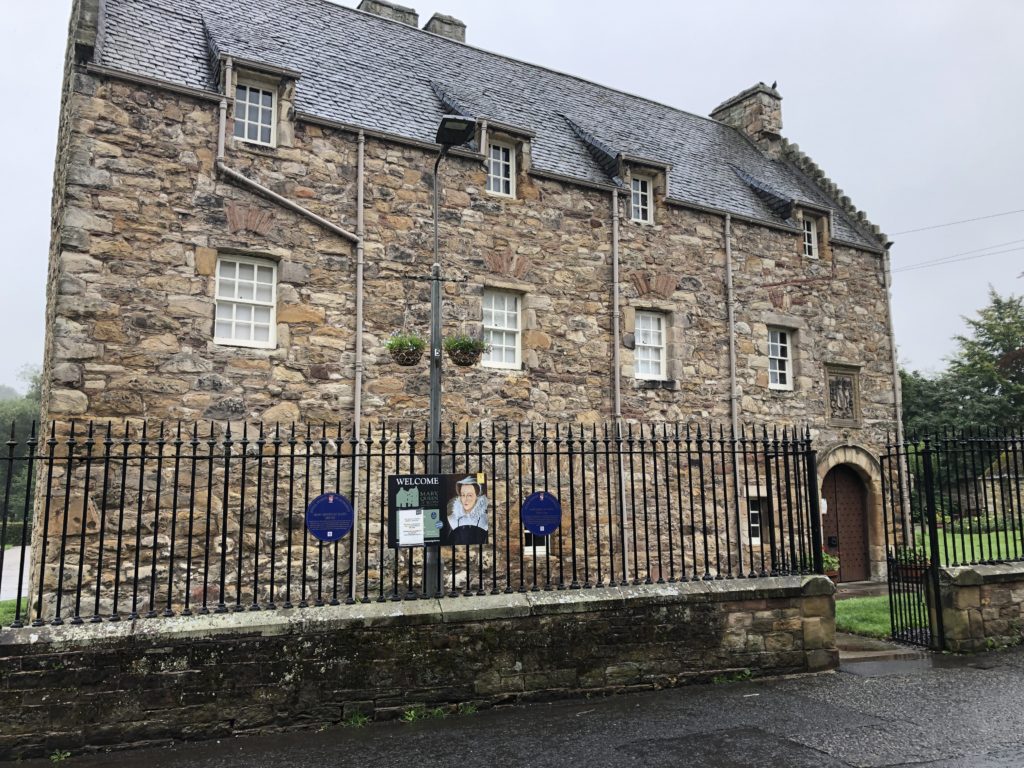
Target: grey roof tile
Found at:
360, 69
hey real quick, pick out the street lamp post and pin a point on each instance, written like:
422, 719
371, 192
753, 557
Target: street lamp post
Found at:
452, 131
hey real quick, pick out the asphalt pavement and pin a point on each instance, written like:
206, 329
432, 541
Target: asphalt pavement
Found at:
916, 710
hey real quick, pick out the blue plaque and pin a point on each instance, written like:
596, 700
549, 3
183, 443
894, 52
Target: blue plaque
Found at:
330, 517
541, 513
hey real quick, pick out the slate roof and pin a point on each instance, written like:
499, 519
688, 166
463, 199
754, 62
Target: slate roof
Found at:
359, 69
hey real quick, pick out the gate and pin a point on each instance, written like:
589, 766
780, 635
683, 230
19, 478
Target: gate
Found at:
911, 543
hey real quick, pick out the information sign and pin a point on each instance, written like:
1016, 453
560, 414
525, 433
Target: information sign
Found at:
329, 517
541, 514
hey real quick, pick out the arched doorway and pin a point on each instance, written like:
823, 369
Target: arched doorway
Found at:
845, 524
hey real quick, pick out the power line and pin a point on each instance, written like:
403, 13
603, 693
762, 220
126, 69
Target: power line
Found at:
950, 260
954, 223
953, 256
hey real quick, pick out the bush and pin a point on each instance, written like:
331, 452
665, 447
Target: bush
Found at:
13, 534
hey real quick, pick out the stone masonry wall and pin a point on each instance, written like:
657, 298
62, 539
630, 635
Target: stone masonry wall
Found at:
982, 606
148, 682
145, 218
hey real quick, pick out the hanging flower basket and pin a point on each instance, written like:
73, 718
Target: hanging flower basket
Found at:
465, 350
405, 348
463, 358
406, 356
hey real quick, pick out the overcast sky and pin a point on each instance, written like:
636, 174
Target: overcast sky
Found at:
914, 108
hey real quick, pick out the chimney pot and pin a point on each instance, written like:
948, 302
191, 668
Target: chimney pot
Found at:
446, 26
391, 11
757, 112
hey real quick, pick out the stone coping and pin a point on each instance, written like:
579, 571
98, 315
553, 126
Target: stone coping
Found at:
976, 575
299, 621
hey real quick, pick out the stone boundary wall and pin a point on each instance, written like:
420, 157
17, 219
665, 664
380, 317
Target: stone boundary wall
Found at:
90, 687
982, 606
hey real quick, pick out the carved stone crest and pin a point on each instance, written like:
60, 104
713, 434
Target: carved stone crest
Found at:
843, 395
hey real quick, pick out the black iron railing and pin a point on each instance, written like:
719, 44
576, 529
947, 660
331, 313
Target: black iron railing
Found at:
950, 499
147, 520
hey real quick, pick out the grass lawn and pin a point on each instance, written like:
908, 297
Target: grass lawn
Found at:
864, 616
7, 611
996, 545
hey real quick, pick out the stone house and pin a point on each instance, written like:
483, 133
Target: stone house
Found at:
243, 215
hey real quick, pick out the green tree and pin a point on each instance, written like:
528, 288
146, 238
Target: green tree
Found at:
987, 372
17, 418
983, 387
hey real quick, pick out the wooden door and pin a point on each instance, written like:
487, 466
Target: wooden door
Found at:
845, 525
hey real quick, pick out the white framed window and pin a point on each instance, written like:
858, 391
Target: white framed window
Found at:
535, 544
754, 507
780, 358
246, 299
255, 114
501, 169
649, 347
501, 329
641, 209
810, 237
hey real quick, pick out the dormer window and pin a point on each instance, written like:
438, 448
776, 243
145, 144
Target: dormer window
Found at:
641, 209
810, 237
501, 169
255, 113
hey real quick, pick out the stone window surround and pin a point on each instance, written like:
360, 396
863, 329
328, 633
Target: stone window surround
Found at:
675, 322
755, 540
513, 165
257, 259
662, 348
519, 295
251, 86
282, 85
799, 342
641, 178
759, 494
822, 227
786, 356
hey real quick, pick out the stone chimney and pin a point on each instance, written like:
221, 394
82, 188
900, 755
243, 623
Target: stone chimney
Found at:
757, 112
391, 11
446, 26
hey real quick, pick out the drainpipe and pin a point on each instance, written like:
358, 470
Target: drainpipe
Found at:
730, 303
224, 108
734, 406
357, 393
617, 380
616, 312
897, 389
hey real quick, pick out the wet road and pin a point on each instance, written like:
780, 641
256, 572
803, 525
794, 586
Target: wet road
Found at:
939, 712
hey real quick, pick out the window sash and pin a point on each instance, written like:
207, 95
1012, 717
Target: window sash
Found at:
246, 303
780, 373
754, 520
810, 238
641, 199
500, 169
254, 114
502, 329
649, 346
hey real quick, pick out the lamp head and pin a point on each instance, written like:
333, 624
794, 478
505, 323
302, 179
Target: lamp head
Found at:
455, 130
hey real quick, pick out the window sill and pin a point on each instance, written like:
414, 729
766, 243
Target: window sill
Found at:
669, 384
267, 150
